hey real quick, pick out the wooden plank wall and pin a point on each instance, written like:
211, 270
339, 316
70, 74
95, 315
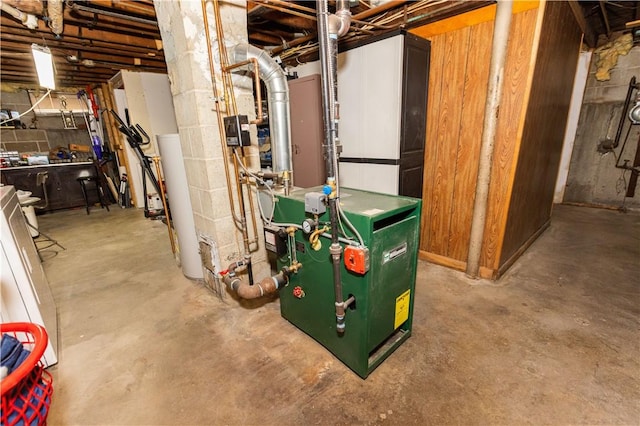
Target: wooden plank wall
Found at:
457, 92
517, 78
543, 134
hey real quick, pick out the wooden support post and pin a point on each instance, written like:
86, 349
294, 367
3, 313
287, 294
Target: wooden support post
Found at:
115, 136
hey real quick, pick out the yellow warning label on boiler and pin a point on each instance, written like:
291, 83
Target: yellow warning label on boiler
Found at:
402, 308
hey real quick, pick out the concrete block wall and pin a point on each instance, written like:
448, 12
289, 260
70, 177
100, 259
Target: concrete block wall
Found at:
615, 89
182, 28
24, 140
47, 133
593, 177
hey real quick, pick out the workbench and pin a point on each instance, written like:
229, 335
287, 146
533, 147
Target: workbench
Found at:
63, 189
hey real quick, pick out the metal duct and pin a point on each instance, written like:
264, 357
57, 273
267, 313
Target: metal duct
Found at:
278, 101
340, 22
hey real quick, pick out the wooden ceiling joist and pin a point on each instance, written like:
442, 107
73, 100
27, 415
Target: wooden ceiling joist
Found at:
77, 44
74, 31
123, 34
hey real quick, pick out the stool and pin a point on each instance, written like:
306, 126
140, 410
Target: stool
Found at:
26, 204
83, 182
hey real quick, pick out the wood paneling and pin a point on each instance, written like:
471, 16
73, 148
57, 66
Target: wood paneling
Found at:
516, 79
473, 102
537, 84
447, 137
430, 154
469, 19
543, 134
458, 85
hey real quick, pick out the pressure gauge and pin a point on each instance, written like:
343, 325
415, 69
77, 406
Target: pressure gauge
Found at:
307, 225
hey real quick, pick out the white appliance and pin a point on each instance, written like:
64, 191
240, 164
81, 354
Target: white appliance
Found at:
25, 295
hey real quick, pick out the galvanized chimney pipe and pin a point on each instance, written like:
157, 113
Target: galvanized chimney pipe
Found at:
330, 27
278, 101
494, 93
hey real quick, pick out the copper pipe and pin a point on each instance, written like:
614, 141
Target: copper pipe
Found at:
378, 10
156, 160
285, 5
285, 10
256, 79
243, 216
218, 111
251, 207
356, 18
229, 95
232, 109
290, 5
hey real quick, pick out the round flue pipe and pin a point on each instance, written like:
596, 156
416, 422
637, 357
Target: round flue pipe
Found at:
494, 93
278, 101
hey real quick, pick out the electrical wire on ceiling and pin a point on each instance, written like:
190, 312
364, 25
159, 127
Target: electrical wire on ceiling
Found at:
411, 12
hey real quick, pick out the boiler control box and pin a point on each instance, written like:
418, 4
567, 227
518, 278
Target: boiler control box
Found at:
275, 240
356, 259
236, 130
314, 202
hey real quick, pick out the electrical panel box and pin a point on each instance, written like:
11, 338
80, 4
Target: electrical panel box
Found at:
380, 319
236, 130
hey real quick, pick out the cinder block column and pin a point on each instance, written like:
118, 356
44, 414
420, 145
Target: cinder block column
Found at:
182, 28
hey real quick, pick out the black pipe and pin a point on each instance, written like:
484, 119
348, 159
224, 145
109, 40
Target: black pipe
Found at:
627, 101
249, 269
633, 180
328, 59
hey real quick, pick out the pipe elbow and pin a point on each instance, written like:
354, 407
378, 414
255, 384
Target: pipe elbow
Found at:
265, 287
339, 23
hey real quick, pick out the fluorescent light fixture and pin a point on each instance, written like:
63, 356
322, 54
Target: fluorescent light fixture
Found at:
44, 66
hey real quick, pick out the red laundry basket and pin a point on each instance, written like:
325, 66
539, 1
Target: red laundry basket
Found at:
26, 391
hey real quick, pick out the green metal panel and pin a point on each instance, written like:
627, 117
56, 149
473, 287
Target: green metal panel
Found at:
389, 226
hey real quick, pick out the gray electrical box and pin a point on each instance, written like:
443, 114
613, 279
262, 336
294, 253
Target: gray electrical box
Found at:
314, 202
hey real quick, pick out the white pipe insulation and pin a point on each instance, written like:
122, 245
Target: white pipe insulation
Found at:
28, 20
494, 93
54, 10
278, 101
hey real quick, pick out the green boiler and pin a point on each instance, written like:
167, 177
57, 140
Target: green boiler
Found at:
379, 319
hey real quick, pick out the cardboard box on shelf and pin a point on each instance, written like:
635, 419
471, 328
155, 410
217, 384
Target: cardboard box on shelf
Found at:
79, 148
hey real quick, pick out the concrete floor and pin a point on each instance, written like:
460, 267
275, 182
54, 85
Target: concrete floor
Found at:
556, 341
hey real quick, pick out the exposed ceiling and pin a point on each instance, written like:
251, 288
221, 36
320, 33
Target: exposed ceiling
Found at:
101, 37
98, 39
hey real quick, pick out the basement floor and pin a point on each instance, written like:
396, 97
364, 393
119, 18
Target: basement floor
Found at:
556, 341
